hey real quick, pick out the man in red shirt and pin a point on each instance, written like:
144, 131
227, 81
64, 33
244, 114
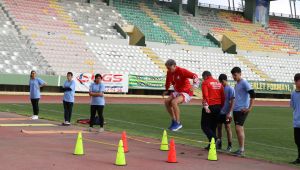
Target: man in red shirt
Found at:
183, 91
213, 100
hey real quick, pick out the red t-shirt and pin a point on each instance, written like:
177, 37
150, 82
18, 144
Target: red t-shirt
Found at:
180, 80
213, 92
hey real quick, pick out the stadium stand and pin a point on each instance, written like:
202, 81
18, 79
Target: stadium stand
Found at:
125, 59
74, 36
94, 19
199, 61
15, 56
57, 37
281, 69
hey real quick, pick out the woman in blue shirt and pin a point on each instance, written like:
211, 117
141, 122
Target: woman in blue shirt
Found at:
35, 84
68, 99
97, 101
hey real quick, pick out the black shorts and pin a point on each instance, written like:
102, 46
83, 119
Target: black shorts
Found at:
222, 119
239, 118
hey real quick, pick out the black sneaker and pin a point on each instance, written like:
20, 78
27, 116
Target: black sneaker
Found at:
229, 148
219, 144
239, 153
207, 147
297, 161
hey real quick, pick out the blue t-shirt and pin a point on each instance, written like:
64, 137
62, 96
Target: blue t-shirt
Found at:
34, 85
242, 97
97, 88
295, 104
69, 95
229, 94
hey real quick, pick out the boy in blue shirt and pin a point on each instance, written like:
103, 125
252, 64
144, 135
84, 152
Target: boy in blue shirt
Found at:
295, 104
34, 85
244, 99
68, 99
97, 101
225, 115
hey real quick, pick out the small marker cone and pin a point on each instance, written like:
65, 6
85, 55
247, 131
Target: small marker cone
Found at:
79, 145
124, 139
212, 153
164, 142
172, 152
120, 159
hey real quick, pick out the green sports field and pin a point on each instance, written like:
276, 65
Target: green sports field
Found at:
269, 132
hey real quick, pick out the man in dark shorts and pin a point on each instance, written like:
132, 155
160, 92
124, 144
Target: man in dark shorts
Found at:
244, 99
225, 116
213, 100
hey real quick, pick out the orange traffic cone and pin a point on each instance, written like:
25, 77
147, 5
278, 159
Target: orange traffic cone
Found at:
124, 139
172, 152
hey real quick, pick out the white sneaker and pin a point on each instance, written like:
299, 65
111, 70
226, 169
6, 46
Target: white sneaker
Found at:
67, 123
101, 130
34, 117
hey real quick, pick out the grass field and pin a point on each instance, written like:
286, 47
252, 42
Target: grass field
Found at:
269, 132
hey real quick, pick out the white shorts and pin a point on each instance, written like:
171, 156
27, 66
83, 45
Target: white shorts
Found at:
186, 97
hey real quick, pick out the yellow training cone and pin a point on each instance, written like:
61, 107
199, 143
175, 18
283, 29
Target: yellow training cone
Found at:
164, 142
212, 153
79, 145
120, 160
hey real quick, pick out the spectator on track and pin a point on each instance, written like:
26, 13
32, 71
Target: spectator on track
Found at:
213, 100
183, 91
68, 99
244, 99
97, 101
35, 84
295, 104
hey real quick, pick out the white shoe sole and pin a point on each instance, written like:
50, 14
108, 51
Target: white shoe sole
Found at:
179, 127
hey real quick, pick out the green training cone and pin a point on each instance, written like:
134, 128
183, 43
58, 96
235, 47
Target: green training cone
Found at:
212, 153
164, 142
79, 145
120, 160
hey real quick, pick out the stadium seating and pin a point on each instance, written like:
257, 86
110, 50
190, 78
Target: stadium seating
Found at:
131, 11
199, 61
15, 57
180, 26
125, 59
285, 30
281, 69
55, 35
94, 19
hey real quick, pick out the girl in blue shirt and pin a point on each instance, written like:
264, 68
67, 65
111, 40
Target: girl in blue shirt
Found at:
34, 85
68, 99
97, 101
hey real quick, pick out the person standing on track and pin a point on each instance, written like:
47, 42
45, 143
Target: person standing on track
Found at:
225, 115
295, 104
68, 99
244, 99
213, 100
183, 91
97, 101
34, 85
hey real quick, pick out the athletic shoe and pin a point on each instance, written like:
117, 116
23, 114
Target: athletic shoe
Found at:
34, 117
90, 129
239, 153
66, 123
229, 148
176, 127
172, 124
219, 144
101, 130
297, 161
